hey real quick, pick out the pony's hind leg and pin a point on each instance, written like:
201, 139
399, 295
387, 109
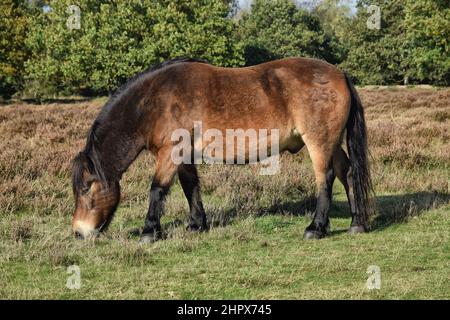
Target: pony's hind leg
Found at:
323, 170
162, 180
342, 168
187, 173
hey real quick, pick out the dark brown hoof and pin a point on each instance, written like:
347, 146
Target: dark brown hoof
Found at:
313, 235
356, 229
195, 228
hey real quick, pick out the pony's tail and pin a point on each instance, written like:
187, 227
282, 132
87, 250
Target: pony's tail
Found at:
359, 158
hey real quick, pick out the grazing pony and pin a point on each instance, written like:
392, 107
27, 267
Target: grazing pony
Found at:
310, 102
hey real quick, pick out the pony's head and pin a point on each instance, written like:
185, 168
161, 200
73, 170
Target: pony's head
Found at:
95, 198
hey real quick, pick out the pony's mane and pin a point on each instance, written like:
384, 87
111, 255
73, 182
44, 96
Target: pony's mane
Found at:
141, 75
90, 156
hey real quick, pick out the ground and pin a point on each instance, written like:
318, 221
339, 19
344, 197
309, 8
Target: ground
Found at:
254, 249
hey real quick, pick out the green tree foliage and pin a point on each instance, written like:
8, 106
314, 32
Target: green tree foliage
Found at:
377, 56
14, 21
117, 39
335, 16
98, 55
200, 28
411, 46
427, 25
278, 28
41, 55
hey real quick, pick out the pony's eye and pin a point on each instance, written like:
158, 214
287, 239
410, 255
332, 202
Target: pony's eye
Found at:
87, 186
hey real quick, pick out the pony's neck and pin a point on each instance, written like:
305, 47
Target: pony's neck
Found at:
116, 134
118, 147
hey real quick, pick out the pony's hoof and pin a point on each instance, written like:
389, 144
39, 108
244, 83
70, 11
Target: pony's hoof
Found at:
356, 229
313, 235
195, 228
149, 238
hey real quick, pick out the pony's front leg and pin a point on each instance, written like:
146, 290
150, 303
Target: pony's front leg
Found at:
162, 180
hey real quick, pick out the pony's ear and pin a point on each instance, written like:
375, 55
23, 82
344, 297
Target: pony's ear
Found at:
86, 162
84, 172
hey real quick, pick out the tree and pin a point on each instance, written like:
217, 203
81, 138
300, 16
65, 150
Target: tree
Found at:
411, 46
377, 56
427, 25
335, 16
198, 29
117, 39
275, 29
14, 23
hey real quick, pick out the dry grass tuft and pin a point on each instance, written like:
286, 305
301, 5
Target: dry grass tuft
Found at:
21, 230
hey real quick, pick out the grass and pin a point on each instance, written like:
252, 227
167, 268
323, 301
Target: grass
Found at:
254, 249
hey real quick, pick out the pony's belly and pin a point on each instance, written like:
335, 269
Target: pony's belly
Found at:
249, 148
293, 143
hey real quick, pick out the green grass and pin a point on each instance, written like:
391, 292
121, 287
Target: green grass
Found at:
250, 258
254, 248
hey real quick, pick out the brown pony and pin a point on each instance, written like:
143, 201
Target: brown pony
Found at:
308, 101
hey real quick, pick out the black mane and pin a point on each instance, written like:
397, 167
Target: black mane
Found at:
90, 156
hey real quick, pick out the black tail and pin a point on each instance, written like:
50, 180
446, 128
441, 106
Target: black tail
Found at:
359, 157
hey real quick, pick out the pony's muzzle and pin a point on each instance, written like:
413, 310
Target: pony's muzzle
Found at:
83, 230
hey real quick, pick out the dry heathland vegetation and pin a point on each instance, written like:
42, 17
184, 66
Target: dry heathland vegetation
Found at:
409, 132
